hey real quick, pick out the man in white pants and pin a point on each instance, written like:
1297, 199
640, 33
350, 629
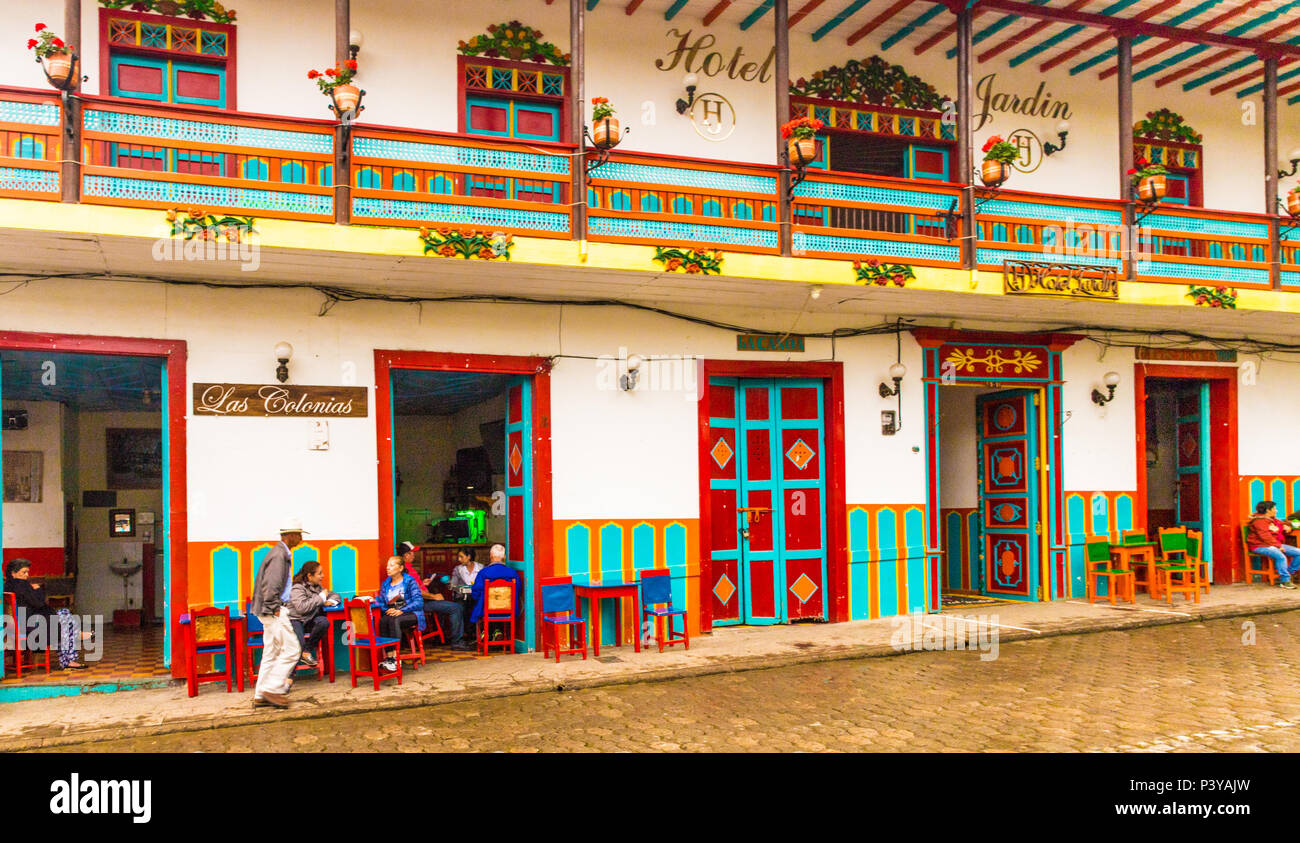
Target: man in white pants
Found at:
280, 647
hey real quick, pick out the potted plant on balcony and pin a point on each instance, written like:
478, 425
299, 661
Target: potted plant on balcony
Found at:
1293, 201
54, 54
1149, 180
338, 81
801, 139
606, 133
998, 158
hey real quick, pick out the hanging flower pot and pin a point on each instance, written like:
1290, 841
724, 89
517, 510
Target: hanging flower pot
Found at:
1293, 202
801, 150
337, 81
994, 173
606, 135
59, 67
347, 96
56, 56
1151, 188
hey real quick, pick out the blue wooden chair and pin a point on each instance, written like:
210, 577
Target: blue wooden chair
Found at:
657, 603
560, 609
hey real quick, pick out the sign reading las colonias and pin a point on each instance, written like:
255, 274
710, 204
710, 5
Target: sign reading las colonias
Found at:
244, 399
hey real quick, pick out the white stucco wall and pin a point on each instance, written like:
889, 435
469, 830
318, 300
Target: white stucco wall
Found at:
37, 524
1097, 441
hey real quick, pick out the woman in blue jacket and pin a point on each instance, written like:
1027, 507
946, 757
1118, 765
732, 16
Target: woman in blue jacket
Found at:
400, 605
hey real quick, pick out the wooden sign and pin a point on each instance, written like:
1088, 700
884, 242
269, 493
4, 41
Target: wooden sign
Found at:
768, 342
288, 401
1040, 278
1187, 355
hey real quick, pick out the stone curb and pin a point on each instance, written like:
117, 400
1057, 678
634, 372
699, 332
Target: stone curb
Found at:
819, 653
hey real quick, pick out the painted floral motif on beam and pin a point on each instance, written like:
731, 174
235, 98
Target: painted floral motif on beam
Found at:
696, 262
873, 271
993, 360
873, 81
449, 243
195, 223
1165, 125
197, 9
514, 41
1213, 297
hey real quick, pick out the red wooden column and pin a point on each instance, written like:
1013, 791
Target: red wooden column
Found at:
1270, 168
70, 171
785, 213
1124, 82
577, 117
342, 155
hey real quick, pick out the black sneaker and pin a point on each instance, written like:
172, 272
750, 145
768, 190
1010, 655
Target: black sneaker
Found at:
1286, 584
464, 645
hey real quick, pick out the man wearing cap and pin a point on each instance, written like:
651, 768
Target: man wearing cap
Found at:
280, 647
451, 616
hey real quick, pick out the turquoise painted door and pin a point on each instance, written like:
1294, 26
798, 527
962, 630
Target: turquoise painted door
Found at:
519, 498
1192, 493
766, 447
1009, 503
501, 117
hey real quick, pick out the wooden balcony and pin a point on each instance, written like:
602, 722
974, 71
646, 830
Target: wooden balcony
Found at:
138, 155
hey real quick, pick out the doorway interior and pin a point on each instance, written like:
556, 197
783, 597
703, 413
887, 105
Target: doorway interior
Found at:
991, 493
459, 464
86, 479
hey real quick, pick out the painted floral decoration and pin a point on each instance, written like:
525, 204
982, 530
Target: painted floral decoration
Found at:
802, 128
1165, 125
872, 271
197, 9
1213, 297
997, 149
513, 41
601, 109
695, 262
333, 77
450, 243
873, 81
195, 223
1145, 169
47, 44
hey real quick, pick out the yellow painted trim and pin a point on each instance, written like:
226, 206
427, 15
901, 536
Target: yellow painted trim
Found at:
56, 217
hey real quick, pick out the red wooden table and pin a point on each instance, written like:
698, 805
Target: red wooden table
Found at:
596, 592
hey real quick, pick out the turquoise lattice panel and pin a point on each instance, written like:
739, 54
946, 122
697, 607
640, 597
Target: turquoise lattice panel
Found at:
994, 256
462, 214
1197, 272
1293, 234
866, 246
206, 194
702, 179
146, 126
1192, 225
436, 153
681, 232
37, 113
1055, 213
1290, 279
16, 178
875, 195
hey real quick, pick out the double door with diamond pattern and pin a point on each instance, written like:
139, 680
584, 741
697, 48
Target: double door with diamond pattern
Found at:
767, 499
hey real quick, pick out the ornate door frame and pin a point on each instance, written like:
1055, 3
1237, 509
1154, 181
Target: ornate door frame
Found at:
985, 358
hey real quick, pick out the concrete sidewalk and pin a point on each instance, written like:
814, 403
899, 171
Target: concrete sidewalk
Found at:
63, 720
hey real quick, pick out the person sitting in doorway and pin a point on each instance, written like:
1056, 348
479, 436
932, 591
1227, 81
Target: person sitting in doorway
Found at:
462, 580
497, 569
400, 605
30, 603
1265, 536
307, 602
452, 619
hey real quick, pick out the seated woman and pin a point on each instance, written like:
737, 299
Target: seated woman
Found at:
400, 604
307, 602
462, 580
29, 598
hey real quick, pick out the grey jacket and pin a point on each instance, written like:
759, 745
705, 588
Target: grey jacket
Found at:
306, 600
272, 577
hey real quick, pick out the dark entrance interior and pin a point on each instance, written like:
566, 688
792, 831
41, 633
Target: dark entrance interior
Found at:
84, 474
1179, 458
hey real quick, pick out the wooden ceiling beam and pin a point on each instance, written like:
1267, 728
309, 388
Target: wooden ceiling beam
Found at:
1101, 38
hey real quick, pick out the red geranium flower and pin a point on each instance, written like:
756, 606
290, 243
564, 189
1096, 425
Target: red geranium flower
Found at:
39, 27
58, 42
1132, 172
312, 74
350, 64
31, 42
329, 71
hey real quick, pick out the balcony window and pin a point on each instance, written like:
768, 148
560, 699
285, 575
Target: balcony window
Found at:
167, 60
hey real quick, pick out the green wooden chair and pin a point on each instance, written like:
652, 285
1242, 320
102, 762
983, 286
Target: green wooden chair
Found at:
1176, 572
1098, 566
1196, 557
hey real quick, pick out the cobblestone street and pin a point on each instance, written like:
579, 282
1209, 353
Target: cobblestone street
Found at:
1186, 687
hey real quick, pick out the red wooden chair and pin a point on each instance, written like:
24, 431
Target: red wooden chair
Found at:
40, 658
208, 634
498, 607
657, 602
432, 630
365, 647
1257, 564
560, 609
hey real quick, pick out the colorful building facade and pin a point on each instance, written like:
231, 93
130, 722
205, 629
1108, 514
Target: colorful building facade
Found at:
834, 391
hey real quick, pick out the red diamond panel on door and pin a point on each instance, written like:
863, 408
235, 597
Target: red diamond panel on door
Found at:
723, 465
802, 444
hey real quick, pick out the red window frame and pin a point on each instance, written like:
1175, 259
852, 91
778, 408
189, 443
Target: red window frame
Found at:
462, 92
107, 49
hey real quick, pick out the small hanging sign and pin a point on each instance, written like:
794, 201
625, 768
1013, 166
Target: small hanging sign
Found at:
1041, 278
769, 342
283, 400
